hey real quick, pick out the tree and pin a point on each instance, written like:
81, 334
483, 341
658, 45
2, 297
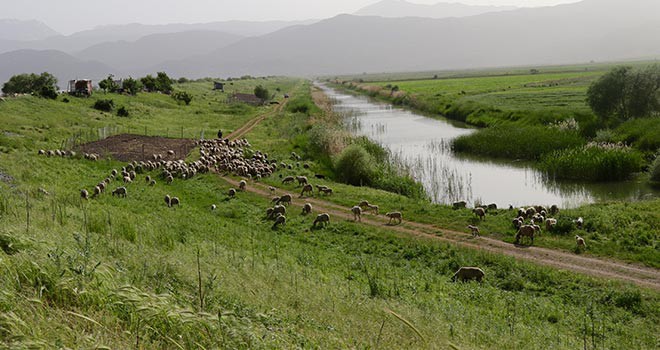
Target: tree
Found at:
624, 93
149, 83
182, 96
261, 92
163, 83
108, 84
131, 86
43, 85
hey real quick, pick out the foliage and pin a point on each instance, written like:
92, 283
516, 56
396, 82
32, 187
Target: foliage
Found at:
655, 170
301, 105
625, 93
105, 105
594, 162
261, 92
641, 133
355, 166
122, 112
149, 83
161, 82
516, 142
108, 84
182, 96
131, 86
43, 85
182, 80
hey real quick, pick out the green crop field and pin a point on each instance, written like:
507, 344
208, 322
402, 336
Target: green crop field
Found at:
132, 273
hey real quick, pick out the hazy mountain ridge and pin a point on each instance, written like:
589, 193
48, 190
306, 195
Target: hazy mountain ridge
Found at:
401, 8
18, 30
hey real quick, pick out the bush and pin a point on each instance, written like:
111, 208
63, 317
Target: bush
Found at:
642, 133
182, 96
122, 112
655, 170
355, 166
516, 142
131, 86
301, 105
593, 163
261, 92
43, 85
104, 105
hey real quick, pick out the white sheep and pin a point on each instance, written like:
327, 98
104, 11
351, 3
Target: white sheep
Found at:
395, 215
120, 192
459, 205
213, 207
480, 213
322, 219
152, 183
307, 188
174, 201
357, 213
127, 179
272, 189
580, 242
307, 209
168, 200
302, 180
326, 191
475, 230
84, 194
279, 220
579, 222
241, 185
550, 224
231, 193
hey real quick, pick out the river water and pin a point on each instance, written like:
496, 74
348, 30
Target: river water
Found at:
423, 146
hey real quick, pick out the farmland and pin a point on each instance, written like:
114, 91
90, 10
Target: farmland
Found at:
132, 272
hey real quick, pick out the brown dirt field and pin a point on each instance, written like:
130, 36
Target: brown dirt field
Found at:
127, 147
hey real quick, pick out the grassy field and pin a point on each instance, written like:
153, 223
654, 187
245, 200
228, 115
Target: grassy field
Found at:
132, 273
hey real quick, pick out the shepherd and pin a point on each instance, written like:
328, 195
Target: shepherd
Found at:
220, 134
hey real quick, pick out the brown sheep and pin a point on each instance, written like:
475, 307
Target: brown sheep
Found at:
468, 273
526, 231
285, 199
168, 200
374, 208
231, 193
395, 215
84, 194
459, 205
475, 230
307, 209
288, 179
279, 220
120, 192
307, 188
326, 191
322, 219
241, 185
357, 213
580, 242
302, 180
480, 213
174, 201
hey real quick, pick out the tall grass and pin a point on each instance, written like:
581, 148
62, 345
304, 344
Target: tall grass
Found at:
593, 162
516, 142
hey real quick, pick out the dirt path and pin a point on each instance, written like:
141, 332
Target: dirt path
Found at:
597, 267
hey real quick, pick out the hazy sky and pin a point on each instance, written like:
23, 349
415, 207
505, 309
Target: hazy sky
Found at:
67, 16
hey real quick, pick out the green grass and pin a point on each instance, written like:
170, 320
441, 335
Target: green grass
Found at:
119, 272
593, 163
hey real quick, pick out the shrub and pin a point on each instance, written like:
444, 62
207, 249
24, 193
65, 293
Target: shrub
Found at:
261, 92
43, 85
655, 170
122, 112
355, 166
104, 105
301, 105
642, 133
131, 86
594, 162
182, 96
516, 142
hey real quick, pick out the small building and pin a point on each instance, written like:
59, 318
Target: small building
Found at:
246, 98
82, 87
218, 86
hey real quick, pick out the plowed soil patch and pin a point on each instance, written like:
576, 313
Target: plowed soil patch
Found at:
127, 147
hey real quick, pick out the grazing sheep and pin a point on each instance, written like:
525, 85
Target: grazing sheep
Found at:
302, 180
526, 231
363, 204
492, 206
120, 192
269, 212
213, 207
113, 173
537, 219
475, 230
579, 222
41, 152
168, 200
147, 179
170, 153
84, 194
174, 201
43, 191
357, 213
521, 212
517, 222
278, 209
272, 189
279, 220
288, 179
152, 183
322, 219
241, 185
550, 224
97, 192
580, 242
275, 199
307, 209
374, 208
169, 179
231, 193
468, 273
285, 199
554, 209
395, 215
459, 205
307, 188
127, 179
319, 176
320, 188
529, 212
480, 213
326, 191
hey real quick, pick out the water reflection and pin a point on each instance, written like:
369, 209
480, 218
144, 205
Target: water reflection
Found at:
422, 146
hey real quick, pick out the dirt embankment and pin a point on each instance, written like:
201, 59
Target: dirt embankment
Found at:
127, 148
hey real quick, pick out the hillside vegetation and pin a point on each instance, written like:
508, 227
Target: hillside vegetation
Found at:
130, 272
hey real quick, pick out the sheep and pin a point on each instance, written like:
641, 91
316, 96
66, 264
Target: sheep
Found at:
279, 220
41, 152
43, 191
554, 209
272, 189
357, 213
307, 209
307, 188
517, 222
231, 193
84, 194
113, 173
278, 209
521, 212
459, 205
152, 183
529, 212
269, 212
395, 215
97, 192
550, 224
319, 176
373, 208
120, 192
468, 273
168, 200
320, 188
327, 191
322, 219
480, 213
526, 231
475, 230
287, 180
213, 207
170, 153
579, 222
275, 199
537, 219
285, 199
241, 185
147, 179
492, 206
174, 201
580, 242
169, 179
302, 180
127, 179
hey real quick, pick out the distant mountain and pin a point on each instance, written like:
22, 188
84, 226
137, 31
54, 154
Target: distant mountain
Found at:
590, 30
132, 32
154, 49
401, 8
12, 29
60, 64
